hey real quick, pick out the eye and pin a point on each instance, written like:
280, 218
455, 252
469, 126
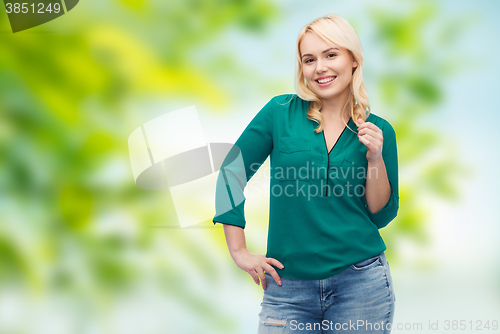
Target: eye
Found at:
331, 54
307, 61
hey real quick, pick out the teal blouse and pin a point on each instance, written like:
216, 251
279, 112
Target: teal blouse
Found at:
319, 222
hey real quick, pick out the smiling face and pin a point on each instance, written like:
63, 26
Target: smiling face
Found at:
326, 68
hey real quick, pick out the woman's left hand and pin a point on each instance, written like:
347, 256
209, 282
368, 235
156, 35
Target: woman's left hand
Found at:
370, 135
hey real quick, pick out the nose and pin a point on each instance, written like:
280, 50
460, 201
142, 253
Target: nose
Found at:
320, 66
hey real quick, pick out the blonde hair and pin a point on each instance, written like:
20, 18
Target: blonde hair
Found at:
334, 29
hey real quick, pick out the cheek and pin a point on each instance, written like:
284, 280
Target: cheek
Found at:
348, 68
308, 73
346, 72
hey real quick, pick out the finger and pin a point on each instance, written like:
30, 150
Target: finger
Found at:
275, 262
262, 277
255, 277
362, 123
369, 125
364, 141
274, 274
370, 142
372, 138
374, 132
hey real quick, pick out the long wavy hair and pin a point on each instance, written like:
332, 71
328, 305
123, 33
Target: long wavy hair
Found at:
335, 30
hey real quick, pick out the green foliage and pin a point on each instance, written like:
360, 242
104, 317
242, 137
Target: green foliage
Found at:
71, 226
416, 37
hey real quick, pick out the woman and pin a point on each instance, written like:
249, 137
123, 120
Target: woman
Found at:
332, 189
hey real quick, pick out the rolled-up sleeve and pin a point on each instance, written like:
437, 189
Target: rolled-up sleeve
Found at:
390, 156
243, 160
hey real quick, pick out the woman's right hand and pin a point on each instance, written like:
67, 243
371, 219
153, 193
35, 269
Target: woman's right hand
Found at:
255, 264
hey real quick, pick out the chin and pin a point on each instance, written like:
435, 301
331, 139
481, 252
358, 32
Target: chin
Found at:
327, 96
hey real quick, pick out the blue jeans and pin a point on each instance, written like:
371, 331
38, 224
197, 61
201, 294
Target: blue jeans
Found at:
358, 300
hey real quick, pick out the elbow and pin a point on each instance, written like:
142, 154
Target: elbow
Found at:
389, 216
383, 217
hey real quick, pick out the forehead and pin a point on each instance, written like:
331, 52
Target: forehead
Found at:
313, 44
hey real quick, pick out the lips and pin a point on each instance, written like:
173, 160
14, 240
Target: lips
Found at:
324, 81
327, 79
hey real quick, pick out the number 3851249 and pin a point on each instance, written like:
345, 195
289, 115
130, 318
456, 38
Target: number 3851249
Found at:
39, 8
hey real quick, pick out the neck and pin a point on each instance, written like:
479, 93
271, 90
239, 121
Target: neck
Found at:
334, 109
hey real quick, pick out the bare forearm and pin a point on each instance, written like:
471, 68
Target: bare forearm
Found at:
235, 238
254, 264
378, 189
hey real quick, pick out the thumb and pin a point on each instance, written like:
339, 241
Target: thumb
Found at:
360, 121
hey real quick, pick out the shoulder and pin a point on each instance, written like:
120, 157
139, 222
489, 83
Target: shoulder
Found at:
382, 124
288, 100
288, 103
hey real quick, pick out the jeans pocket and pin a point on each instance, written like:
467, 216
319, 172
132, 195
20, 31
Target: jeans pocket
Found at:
389, 279
368, 263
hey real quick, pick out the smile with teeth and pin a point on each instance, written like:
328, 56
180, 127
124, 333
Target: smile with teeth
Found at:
322, 81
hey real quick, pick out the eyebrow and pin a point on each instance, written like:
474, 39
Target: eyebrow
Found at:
330, 49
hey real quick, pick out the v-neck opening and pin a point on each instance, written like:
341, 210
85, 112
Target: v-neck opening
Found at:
324, 137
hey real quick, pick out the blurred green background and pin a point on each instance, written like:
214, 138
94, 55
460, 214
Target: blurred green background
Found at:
84, 250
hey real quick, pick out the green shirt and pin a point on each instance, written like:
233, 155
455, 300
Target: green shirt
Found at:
315, 230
